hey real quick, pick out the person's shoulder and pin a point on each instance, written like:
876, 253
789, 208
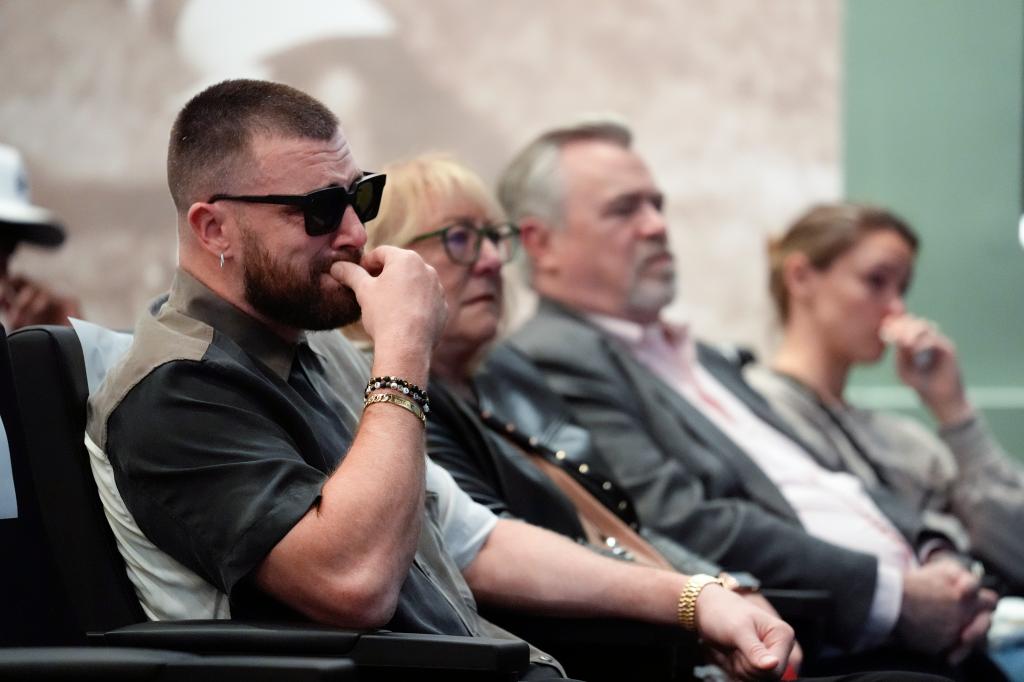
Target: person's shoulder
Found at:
161, 340
554, 329
505, 360
758, 375
797, 405
775, 387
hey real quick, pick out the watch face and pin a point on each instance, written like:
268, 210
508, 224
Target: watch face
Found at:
728, 581
740, 582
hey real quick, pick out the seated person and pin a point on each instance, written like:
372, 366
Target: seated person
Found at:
839, 276
482, 451
23, 301
245, 470
702, 455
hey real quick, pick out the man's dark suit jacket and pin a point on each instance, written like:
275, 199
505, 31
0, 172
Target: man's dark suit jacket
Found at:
687, 479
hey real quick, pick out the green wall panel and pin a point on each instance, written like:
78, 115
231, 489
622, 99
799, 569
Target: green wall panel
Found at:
932, 127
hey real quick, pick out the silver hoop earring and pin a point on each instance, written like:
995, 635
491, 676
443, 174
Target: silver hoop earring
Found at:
221, 260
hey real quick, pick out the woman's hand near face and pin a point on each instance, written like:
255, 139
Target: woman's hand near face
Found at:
926, 361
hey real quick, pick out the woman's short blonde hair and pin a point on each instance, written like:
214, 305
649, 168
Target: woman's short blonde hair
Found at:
824, 233
414, 186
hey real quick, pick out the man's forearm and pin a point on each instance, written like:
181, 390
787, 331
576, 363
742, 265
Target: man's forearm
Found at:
374, 501
530, 568
376, 494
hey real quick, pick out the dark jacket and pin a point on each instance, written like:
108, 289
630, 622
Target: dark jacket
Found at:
688, 480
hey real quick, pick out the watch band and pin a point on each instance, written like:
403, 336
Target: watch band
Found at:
687, 607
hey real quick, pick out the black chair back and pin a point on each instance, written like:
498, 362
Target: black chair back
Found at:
51, 388
35, 607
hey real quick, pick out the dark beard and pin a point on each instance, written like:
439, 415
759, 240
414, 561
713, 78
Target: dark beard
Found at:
293, 297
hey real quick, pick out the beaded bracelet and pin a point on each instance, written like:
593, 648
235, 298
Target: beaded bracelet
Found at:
398, 384
396, 400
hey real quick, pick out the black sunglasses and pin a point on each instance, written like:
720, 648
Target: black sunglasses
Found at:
322, 209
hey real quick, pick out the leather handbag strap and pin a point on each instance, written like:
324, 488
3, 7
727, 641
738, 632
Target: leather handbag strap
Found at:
602, 526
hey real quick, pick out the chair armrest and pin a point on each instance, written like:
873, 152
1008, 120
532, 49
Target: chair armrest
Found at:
263, 669
799, 604
606, 648
231, 637
807, 611
109, 663
589, 631
379, 648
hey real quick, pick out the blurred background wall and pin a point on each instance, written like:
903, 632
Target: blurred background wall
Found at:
746, 110
735, 105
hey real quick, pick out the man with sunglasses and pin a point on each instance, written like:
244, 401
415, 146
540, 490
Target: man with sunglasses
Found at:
216, 443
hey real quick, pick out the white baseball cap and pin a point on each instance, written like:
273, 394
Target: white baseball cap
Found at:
19, 218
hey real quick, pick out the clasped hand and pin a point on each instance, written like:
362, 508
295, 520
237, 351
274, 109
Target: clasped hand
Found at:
945, 610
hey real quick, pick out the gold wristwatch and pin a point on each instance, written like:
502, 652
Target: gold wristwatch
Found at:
687, 607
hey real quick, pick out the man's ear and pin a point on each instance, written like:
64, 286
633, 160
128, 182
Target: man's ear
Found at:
537, 238
212, 226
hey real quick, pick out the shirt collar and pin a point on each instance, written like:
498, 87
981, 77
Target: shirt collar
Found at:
635, 334
198, 301
628, 331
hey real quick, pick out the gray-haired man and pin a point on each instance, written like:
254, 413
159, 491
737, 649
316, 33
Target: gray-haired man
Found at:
703, 457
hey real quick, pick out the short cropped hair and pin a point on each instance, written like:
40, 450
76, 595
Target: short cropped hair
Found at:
213, 132
414, 186
532, 185
823, 234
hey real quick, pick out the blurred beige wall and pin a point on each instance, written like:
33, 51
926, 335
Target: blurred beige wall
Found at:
735, 104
